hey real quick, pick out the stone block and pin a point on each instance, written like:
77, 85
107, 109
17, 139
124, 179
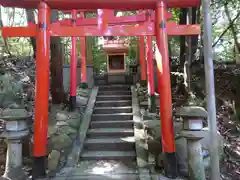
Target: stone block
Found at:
53, 160
60, 141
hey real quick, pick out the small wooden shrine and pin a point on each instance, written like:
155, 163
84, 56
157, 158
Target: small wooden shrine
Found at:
116, 51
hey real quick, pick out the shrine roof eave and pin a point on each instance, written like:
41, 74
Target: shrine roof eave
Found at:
99, 4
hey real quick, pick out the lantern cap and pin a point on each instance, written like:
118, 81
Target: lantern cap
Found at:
191, 111
14, 114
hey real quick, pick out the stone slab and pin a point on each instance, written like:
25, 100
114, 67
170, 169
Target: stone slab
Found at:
109, 155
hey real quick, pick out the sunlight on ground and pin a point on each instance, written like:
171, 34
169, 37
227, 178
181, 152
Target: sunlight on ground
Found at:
105, 168
128, 139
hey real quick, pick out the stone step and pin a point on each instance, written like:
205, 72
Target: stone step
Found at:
109, 155
114, 93
110, 132
112, 124
100, 176
110, 144
117, 87
113, 103
111, 110
113, 97
111, 117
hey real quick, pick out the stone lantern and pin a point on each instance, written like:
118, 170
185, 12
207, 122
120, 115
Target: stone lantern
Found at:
14, 129
193, 117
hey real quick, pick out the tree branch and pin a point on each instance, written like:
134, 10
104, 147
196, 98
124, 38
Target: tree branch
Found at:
226, 30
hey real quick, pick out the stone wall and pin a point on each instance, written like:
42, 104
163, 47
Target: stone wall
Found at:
63, 130
66, 76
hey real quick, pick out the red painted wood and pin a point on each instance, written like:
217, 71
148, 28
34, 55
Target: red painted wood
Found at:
173, 29
146, 29
142, 55
42, 84
30, 31
164, 84
73, 63
100, 4
83, 56
150, 69
111, 21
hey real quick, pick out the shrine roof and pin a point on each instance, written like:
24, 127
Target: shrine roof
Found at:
99, 4
115, 46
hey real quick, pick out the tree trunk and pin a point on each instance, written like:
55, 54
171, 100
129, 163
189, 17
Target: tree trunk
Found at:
195, 20
4, 40
31, 19
234, 33
57, 89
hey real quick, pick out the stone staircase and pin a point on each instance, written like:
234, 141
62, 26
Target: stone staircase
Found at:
111, 134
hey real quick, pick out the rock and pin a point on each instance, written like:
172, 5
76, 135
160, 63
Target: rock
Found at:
82, 92
152, 128
60, 116
60, 141
68, 131
81, 101
74, 123
142, 98
14, 106
51, 130
143, 104
53, 160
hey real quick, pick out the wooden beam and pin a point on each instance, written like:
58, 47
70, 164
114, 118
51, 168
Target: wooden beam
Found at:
173, 29
30, 31
102, 4
111, 21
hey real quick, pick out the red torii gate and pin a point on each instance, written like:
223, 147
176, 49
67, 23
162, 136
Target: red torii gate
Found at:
112, 20
160, 28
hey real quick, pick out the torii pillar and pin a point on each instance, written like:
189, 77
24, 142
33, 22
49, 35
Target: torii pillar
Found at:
42, 88
142, 58
83, 59
73, 68
164, 88
150, 71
